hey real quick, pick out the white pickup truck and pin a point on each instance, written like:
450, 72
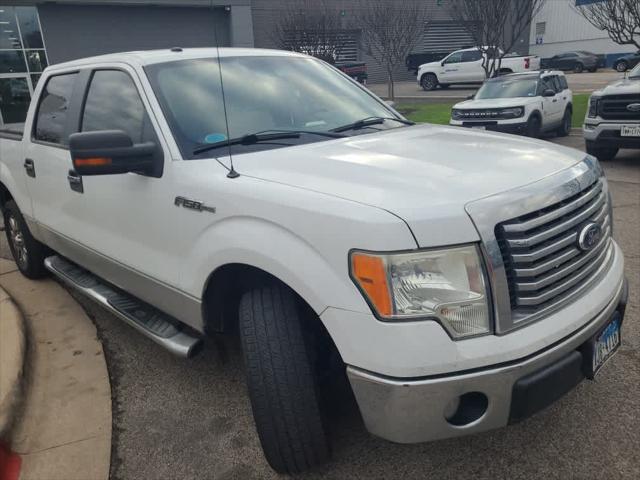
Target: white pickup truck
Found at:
462, 280
465, 67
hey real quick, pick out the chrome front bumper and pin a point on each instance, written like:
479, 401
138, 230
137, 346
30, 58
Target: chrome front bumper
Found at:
415, 410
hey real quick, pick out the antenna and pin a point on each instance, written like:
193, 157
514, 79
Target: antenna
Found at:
232, 172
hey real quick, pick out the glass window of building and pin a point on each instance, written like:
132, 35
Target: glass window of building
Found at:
22, 60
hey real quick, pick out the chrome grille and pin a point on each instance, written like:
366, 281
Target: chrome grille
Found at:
543, 262
614, 107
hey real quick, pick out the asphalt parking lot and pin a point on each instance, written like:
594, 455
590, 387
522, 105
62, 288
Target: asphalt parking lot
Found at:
578, 82
191, 419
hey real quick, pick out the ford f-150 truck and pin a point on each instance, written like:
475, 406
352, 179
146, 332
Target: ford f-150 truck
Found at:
299, 211
612, 120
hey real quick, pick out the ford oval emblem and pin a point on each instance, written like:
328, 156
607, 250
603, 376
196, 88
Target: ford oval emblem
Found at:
633, 107
589, 236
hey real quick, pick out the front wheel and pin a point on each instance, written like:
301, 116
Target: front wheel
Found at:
565, 127
429, 82
281, 380
534, 126
579, 68
603, 154
28, 253
621, 66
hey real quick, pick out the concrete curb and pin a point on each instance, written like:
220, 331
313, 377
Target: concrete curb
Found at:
13, 347
62, 429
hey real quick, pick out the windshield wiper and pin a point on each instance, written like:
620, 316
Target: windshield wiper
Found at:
366, 122
264, 136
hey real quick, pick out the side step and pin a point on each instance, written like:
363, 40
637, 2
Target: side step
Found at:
158, 326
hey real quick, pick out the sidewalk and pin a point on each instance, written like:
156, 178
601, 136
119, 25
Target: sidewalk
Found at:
62, 428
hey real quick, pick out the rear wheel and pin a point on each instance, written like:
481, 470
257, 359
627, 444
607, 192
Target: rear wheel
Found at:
565, 127
534, 126
429, 82
621, 66
604, 154
28, 253
579, 68
281, 380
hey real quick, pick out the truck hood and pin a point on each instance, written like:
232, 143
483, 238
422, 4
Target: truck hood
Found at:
496, 103
424, 174
620, 87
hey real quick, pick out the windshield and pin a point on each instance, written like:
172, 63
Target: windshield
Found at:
262, 94
635, 73
511, 88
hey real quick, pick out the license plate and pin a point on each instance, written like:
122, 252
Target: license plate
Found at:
630, 131
479, 127
603, 346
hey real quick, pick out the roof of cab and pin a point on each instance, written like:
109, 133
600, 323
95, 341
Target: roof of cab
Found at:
149, 57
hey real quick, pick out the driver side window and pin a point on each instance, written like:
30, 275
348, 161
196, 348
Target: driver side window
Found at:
113, 103
454, 58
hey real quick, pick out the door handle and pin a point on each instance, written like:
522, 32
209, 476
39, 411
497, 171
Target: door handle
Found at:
555, 100
75, 181
30, 168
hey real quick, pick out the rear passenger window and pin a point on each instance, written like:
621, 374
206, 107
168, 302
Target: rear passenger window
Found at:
556, 83
51, 120
563, 83
113, 103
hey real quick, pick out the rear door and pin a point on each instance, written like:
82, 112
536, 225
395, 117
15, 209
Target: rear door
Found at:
552, 107
55, 117
471, 66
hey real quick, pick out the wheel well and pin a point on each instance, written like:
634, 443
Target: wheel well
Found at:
428, 73
536, 113
5, 195
221, 301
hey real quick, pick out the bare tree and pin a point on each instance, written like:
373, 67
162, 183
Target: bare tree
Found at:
495, 26
389, 31
313, 27
619, 18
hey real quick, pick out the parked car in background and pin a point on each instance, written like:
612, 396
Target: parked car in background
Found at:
465, 66
626, 62
612, 121
520, 103
356, 70
577, 61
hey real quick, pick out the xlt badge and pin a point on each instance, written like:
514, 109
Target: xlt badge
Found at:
193, 205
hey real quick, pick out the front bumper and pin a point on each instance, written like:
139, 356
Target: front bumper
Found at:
415, 410
516, 128
608, 135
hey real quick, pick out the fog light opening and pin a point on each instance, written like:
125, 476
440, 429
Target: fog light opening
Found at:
466, 408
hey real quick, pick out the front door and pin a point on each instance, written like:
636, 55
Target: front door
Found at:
15, 96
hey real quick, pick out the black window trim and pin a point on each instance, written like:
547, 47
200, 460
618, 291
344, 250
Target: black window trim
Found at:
78, 86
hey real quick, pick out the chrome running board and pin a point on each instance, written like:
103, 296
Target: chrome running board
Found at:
151, 322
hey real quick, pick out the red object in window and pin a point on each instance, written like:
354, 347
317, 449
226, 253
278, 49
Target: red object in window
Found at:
527, 62
9, 464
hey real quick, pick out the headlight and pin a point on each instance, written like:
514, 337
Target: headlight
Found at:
456, 114
446, 285
593, 107
514, 112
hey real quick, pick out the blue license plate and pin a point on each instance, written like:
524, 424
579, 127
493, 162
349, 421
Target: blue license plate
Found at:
606, 344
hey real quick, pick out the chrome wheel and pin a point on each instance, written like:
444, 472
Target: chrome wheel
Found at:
18, 244
621, 67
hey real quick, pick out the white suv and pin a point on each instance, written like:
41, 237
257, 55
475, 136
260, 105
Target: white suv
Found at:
521, 103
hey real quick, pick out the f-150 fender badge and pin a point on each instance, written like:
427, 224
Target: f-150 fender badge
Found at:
193, 205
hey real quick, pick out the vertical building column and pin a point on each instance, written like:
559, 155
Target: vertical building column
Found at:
241, 26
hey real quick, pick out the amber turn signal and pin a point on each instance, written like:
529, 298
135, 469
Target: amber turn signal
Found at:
370, 274
92, 162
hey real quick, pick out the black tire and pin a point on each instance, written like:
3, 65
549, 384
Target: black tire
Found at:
281, 380
429, 82
534, 126
565, 127
603, 154
621, 66
28, 253
578, 68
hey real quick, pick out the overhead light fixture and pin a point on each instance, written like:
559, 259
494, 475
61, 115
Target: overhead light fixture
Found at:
4, 23
8, 31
